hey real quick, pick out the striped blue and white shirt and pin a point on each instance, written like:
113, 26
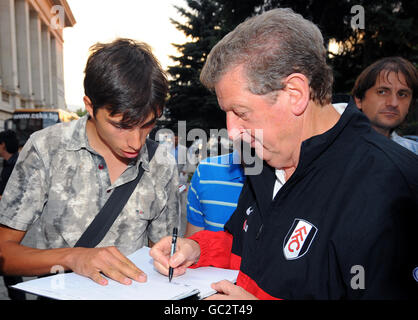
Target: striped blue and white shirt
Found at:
214, 191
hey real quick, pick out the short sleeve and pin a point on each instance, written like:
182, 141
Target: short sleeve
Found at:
194, 210
25, 194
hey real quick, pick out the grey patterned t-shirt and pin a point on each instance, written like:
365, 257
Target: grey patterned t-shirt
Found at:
60, 183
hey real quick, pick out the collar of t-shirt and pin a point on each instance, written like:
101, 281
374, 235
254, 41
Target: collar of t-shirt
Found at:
280, 181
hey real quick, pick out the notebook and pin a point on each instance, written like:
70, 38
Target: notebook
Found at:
71, 286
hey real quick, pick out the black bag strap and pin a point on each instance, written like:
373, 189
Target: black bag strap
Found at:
101, 224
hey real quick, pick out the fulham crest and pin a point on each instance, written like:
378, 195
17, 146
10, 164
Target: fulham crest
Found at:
298, 239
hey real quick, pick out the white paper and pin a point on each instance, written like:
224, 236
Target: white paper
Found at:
71, 286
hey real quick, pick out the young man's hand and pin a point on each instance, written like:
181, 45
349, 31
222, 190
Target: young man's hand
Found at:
108, 261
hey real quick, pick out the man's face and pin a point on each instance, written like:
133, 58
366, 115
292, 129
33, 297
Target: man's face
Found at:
247, 113
123, 143
386, 104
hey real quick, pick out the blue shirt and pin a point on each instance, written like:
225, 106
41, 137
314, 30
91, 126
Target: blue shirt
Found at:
404, 142
214, 191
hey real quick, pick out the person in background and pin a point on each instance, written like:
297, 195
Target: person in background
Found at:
333, 213
9, 146
385, 91
66, 173
9, 151
214, 191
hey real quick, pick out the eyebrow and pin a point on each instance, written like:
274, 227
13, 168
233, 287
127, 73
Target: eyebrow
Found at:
123, 125
152, 121
114, 123
406, 90
400, 90
235, 107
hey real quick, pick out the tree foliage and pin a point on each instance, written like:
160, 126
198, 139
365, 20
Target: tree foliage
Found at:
189, 100
207, 22
389, 30
81, 112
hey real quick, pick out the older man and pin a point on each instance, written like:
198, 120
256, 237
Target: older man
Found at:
331, 215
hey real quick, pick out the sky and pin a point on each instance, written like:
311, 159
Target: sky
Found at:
105, 20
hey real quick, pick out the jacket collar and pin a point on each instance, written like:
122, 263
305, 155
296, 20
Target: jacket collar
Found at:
311, 149
12, 160
78, 138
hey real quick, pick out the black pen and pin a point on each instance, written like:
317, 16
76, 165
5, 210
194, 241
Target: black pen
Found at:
173, 249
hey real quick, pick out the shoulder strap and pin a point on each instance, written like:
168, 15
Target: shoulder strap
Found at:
101, 224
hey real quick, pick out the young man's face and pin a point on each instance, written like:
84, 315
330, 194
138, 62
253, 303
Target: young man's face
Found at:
123, 143
386, 104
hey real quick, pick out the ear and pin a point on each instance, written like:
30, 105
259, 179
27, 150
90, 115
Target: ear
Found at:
358, 102
88, 105
297, 88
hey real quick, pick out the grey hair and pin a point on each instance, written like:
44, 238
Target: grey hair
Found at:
271, 46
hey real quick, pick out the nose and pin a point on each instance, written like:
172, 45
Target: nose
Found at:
135, 139
232, 125
392, 100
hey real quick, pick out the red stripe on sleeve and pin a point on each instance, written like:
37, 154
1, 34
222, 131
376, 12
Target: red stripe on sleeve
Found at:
251, 286
215, 250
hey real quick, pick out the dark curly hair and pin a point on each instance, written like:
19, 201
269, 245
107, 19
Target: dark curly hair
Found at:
125, 78
9, 137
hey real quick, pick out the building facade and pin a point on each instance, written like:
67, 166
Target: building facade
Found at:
31, 54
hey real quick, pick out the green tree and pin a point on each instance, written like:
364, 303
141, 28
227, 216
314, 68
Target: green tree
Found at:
189, 100
389, 30
207, 22
81, 112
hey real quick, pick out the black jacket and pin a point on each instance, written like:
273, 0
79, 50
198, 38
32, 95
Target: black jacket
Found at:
344, 226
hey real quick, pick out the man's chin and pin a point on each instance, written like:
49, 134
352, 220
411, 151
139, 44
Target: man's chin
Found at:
387, 126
